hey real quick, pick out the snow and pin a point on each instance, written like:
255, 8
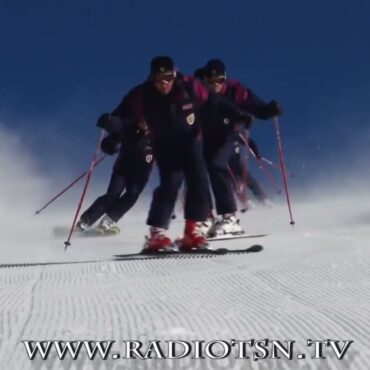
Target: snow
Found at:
310, 282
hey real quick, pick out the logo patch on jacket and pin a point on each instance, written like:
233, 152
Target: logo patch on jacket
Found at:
190, 119
187, 106
148, 158
226, 121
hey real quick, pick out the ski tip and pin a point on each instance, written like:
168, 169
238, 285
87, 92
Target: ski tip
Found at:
220, 251
255, 248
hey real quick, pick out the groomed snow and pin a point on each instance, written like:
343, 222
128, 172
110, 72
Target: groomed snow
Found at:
310, 282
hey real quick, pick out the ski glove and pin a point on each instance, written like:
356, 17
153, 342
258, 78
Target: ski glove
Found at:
111, 124
110, 145
274, 108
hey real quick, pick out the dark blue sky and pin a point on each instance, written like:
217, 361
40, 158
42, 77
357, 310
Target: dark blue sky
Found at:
64, 62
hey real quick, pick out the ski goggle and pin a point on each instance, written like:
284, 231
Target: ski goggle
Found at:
216, 80
164, 77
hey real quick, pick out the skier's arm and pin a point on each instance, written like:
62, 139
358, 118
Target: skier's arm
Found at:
230, 109
254, 105
110, 123
126, 116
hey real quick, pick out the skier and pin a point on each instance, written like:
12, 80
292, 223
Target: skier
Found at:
219, 131
243, 179
170, 104
130, 175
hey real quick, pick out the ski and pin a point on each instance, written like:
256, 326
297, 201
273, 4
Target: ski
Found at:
61, 231
178, 254
236, 236
204, 253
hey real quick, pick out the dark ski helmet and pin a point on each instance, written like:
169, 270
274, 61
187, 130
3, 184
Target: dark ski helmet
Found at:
215, 68
161, 64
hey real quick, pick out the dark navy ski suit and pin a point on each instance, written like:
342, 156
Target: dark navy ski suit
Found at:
175, 128
130, 175
219, 130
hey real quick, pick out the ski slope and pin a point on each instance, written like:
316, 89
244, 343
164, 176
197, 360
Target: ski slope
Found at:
310, 282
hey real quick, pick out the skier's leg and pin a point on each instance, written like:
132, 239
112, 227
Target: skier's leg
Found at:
135, 184
161, 208
223, 190
164, 197
101, 204
221, 180
197, 200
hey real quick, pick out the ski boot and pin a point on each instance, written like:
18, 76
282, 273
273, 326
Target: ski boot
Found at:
157, 241
208, 224
82, 226
229, 224
193, 239
107, 226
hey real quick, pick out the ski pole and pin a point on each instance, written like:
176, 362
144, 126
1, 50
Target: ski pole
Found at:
68, 187
266, 172
282, 166
88, 178
271, 163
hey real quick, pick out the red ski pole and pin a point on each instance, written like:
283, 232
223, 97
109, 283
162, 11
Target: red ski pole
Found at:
67, 243
282, 166
69, 186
